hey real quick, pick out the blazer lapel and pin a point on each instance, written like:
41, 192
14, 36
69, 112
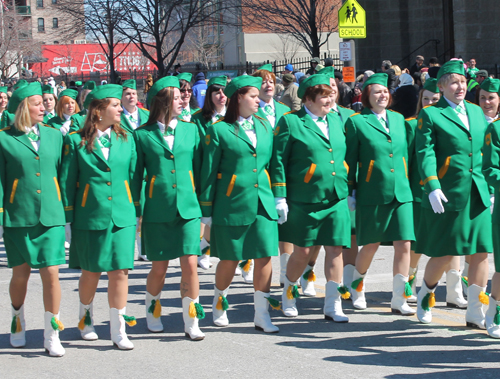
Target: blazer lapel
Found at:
240, 133
116, 144
310, 124
180, 133
448, 112
98, 152
23, 138
373, 121
126, 123
155, 135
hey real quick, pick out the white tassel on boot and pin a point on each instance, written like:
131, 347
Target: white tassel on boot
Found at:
86, 324
204, 258
424, 314
474, 317
153, 313
191, 312
288, 298
247, 271
348, 272
398, 301
412, 279
465, 274
262, 319
333, 303
358, 297
493, 312
219, 307
18, 328
283, 263
52, 343
454, 294
308, 284
117, 329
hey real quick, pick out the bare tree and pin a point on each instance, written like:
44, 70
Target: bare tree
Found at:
286, 49
310, 22
203, 45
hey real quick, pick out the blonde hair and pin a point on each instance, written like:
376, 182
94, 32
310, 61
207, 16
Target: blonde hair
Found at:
397, 69
23, 118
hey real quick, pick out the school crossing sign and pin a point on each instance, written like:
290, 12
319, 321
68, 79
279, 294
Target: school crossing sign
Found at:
352, 20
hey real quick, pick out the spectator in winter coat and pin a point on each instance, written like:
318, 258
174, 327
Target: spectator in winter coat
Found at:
405, 97
290, 96
392, 83
200, 88
345, 92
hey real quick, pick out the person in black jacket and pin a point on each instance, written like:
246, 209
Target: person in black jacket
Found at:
405, 98
392, 82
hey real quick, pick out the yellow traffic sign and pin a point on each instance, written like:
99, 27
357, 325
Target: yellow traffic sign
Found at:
352, 20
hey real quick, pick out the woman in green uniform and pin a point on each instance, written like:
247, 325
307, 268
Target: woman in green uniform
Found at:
189, 103
309, 181
78, 119
170, 151
31, 212
489, 99
132, 116
100, 202
49, 103
236, 194
65, 108
455, 219
377, 156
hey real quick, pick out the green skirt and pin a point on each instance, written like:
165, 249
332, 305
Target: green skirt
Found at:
384, 223
170, 240
317, 224
456, 233
103, 250
496, 246
417, 206
38, 246
237, 243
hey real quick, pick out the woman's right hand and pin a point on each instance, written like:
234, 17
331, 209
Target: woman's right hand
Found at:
436, 199
282, 209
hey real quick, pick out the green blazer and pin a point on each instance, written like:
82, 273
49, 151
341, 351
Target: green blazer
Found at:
77, 121
97, 191
173, 174
416, 184
7, 119
56, 122
143, 118
46, 118
345, 113
449, 155
306, 167
234, 175
201, 123
280, 110
380, 157
29, 185
491, 162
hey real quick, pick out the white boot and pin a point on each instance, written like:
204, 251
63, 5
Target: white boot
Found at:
237, 272
290, 293
51, 343
191, 312
204, 258
117, 322
425, 301
307, 280
348, 272
333, 302
247, 270
262, 319
412, 279
465, 279
454, 294
86, 324
18, 328
153, 313
493, 318
401, 290
474, 317
358, 290
219, 307
283, 263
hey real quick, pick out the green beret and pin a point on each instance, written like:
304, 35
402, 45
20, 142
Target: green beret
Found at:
187, 76
88, 85
73, 93
380, 78
103, 92
491, 85
431, 85
20, 83
167, 81
312, 81
242, 81
268, 67
451, 67
327, 71
4, 89
22, 93
129, 84
220, 80
47, 89
79, 83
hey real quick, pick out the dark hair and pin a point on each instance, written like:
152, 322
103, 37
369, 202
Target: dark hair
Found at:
89, 131
209, 107
162, 105
365, 97
318, 89
193, 103
232, 111
478, 95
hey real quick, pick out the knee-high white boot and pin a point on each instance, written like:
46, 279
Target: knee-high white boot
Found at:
219, 307
474, 317
86, 324
247, 270
307, 280
401, 290
117, 320
262, 318
465, 279
347, 277
454, 294
52, 343
333, 302
425, 301
153, 313
283, 263
288, 298
412, 279
18, 328
492, 319
192, 311
358, 290
204, 258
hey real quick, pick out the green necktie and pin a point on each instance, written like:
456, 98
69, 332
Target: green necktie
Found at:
268, 110
33, 136
461, 110
383, 121
322, 121
104, 141
50, 115
185, 112
246, 125
132, 119
169, 131
218, 116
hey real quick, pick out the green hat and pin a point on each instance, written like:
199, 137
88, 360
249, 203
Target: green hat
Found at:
4, 89
242, 81
491, 85
451, 67
79, 83
103, 92
22, 93
73, 93
220, 80
20, 83
88, 85
380, 78
268, 67
431, 85
187, 76
47, 89
311, 81
327, 71
167, 81
129, 84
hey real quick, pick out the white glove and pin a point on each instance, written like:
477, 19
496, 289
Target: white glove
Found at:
207, 221
67, 232
492, 200
351, 201
436, 197
1, 231
282, 209
65, 127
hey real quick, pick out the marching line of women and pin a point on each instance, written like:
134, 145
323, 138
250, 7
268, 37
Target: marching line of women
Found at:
255, 180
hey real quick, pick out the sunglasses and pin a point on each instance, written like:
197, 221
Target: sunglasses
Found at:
186, 90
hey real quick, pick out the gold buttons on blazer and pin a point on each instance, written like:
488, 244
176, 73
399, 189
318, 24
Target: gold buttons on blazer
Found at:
254, 155
173, 171
392, 170
108, 183
108, 169
389, 140
38, 191
391, 155
37, 174
109, 198
470, 138
332, 162
333, 174
37, 158
470, 170
172, 156
256, 185
470, 154
254, 170
174, 185
330, 150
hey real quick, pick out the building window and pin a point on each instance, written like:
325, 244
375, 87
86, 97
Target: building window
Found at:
39, 3
41, 25
55, 23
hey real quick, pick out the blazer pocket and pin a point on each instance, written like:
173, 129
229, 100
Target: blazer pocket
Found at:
85, 194
268, 178
128, 191
192, 179
310, 173
57, 188
370, 169
13, 192
231, 186
151, 186
444, 168
219, 175
346, 166
406, 168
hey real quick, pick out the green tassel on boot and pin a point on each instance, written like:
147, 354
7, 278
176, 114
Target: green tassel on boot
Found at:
465, 280
357, 284
130, 320
200, 312
275, 304
151, 308
344, 292
496, 319
13, 325
408, 292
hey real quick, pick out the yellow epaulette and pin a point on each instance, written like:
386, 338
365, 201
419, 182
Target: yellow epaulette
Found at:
410, 118
355, 114
48, 126
495, 120
4, 129
144, 109
282, 103
284, 114
430, 105
216, 122
142, 126
198, 111
260, 118
394, 111
341, 106
470, 102
73, 133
